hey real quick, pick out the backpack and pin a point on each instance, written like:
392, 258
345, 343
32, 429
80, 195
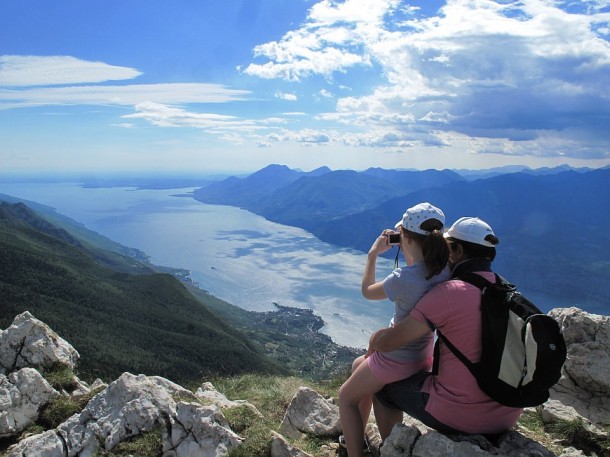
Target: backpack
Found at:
523, 349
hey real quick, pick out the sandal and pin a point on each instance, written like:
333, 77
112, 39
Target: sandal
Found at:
365, 444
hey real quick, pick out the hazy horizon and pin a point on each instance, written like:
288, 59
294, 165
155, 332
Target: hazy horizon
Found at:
59, 176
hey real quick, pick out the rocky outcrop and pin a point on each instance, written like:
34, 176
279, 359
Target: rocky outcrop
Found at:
130, 406
29, 342
413, 439
584, 386
22, 394
193, 424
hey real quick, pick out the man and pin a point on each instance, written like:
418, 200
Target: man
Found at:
451, 401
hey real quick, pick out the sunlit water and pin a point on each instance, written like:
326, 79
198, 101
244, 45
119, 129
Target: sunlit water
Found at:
235, 255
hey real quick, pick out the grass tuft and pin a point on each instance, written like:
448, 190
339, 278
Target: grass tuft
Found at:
61, 377
58, 410
574, 433
149, 444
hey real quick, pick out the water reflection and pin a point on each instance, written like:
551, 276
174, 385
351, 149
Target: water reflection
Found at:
235, 255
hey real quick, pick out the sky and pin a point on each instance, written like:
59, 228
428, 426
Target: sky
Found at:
201, 86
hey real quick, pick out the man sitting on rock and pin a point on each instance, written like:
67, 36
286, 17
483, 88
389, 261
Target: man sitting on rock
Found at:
451, 401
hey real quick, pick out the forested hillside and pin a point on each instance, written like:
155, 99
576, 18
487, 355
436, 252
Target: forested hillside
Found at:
119, 321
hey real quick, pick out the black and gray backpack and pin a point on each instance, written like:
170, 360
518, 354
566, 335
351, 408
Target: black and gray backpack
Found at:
523, 349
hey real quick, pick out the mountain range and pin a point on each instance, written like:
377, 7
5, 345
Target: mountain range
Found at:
552, 223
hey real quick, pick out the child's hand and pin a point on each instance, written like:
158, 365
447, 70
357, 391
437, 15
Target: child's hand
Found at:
382, 243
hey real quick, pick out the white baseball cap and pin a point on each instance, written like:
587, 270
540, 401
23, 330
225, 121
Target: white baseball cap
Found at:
415, 216
471, 229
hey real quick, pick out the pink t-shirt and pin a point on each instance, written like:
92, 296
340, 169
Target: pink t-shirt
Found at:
455, 397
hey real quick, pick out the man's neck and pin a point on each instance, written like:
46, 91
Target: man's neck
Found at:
471, 265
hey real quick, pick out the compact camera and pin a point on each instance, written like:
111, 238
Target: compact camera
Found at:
394, 238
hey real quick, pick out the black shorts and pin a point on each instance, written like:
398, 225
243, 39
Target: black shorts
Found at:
407, 396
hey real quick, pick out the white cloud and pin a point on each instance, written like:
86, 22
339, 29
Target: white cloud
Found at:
312, 136
176, 93
233, 129
514, 71
333, 39
19, 71
169, 116
286, 96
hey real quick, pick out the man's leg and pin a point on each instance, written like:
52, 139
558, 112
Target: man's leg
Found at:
396, 398
406, 396
386, 418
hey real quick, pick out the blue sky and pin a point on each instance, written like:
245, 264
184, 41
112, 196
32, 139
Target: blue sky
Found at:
208, 86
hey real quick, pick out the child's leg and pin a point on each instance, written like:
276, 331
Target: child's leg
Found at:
361, 385
366, 404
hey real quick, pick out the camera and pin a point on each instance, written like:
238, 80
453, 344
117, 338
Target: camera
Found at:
394, 238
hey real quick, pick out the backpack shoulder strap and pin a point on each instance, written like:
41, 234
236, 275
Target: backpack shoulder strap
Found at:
480, 282
451, 346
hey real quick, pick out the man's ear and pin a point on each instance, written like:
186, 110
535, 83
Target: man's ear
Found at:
458, 252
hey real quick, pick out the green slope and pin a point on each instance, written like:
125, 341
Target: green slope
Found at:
143, 323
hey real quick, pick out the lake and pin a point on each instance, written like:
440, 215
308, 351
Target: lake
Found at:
233, 254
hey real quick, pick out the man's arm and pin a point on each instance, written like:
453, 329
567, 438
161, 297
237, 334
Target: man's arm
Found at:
388, 339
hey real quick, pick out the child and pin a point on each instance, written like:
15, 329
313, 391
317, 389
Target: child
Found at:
426, 254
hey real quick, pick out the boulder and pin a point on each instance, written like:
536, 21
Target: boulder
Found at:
200, 431
401, 441
585, 380
281, 448
22, 395
208, 393
133, 405
309, 413
409, 441
29, 342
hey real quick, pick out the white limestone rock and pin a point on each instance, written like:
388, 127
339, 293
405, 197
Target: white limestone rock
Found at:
29, 342
585, 381
199, 431
22, 394
208, 393
47, 444
281, 448
408, 440
401, 441
133, 405
309, 413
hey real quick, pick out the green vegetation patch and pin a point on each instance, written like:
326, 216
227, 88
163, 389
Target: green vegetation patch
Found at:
271, 395
61, 377
149, 444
